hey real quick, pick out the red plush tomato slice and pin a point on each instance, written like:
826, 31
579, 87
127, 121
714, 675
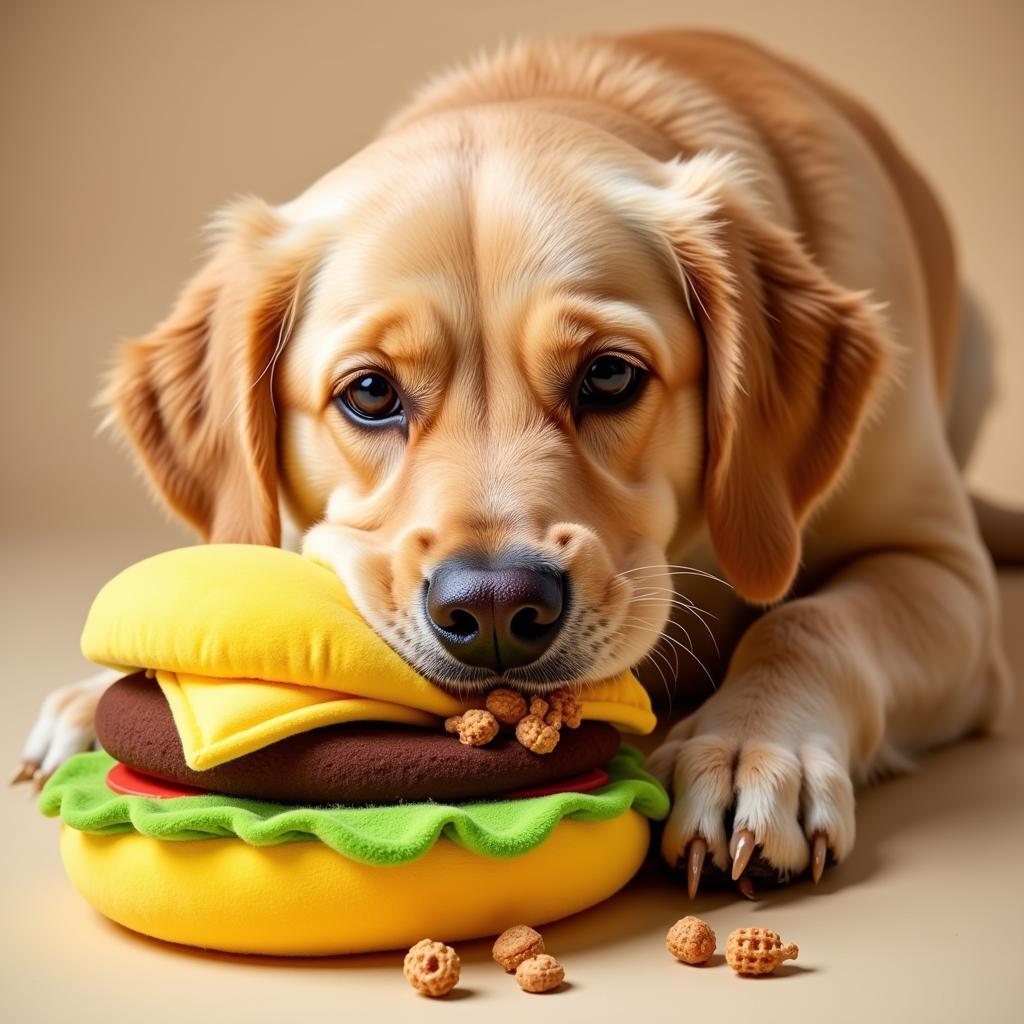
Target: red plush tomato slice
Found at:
593, 779
131, 782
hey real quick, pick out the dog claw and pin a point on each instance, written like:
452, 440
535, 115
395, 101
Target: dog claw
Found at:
695, 865
25, 771
743, 844
819, 852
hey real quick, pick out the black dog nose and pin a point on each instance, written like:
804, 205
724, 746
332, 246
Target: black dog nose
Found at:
495, 614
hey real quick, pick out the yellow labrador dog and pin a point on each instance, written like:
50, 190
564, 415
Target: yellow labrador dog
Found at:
601, 335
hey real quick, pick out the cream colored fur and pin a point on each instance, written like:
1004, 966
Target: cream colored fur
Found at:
754, 238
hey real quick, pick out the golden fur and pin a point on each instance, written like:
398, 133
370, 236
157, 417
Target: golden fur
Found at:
751, 235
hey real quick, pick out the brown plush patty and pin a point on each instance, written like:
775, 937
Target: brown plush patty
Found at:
355, 763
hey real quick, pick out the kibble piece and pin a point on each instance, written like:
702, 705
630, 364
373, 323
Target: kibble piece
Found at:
507, 706
538, 706
536, 736
757, 951
516, 944
540, 973
432, 968
475, 728
691, 940
569, 709
548, 711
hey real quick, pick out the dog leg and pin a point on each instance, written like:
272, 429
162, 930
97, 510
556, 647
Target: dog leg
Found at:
64, 726
895, 654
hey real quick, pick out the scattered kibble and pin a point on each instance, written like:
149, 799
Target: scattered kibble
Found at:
541, 973
691, 940
757, 951
516, 944
432, 968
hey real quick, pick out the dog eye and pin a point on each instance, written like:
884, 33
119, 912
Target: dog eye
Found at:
371, 396
610, 381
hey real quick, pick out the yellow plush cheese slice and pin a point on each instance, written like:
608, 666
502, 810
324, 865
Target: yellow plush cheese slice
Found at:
253, 644
218, 723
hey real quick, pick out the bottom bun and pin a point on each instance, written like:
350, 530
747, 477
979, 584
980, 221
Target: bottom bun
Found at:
304, 899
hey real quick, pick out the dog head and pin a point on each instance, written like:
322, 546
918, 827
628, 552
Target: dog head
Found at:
502, 367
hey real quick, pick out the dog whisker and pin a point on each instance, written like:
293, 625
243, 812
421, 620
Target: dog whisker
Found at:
664, 682
675, 570
649, 595
686, 632
675, 593
673, 643
617, 635
656, 651
684, 606
691, 653
676, 601
648, 657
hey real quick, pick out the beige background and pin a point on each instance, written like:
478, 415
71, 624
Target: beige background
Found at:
123, 126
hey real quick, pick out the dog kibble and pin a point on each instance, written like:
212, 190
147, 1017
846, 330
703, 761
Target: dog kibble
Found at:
475, 728
540, 973
516, 944
536, 736
432, 968
691, 940
538, 722
567, 707
757, 951
507, 706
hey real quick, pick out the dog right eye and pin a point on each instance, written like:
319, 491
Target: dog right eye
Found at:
372, 398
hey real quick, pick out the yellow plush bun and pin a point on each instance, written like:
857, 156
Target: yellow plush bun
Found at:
252, 644
304, 899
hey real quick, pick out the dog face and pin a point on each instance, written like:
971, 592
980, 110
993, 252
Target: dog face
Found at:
493, 397
466, 362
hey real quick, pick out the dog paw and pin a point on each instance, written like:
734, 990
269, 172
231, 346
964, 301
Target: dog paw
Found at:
785, 805
63, 727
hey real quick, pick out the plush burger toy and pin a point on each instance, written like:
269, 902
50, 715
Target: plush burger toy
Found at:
275, 779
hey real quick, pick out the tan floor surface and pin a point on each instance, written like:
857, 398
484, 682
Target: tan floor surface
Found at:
922, 923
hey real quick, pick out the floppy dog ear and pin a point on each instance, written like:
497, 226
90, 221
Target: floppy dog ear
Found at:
194, 397
793, 361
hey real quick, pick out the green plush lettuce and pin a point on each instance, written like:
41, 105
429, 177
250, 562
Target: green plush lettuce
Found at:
78, 794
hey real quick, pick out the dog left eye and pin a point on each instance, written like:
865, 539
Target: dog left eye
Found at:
610, 381
371, 397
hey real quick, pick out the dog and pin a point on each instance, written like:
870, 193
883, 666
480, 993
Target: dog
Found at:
602, 337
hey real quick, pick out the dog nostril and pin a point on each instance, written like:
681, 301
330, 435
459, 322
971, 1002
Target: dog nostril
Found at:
462, 624
524, 625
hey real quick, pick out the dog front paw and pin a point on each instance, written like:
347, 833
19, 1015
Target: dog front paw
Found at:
790, 803
63, 727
